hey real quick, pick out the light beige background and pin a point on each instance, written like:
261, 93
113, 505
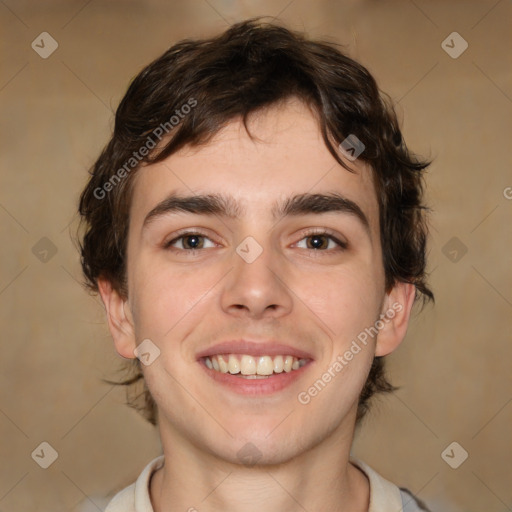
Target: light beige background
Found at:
453, 369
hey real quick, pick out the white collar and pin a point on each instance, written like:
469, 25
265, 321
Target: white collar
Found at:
384, 496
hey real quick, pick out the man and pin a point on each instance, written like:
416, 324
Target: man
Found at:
256, 231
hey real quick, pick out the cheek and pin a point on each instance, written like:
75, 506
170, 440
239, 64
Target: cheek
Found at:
171, 301
164, 296
347, 300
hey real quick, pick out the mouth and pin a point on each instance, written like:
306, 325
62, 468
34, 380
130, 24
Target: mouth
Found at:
253, 368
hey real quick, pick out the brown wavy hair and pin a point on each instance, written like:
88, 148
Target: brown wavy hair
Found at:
251, 66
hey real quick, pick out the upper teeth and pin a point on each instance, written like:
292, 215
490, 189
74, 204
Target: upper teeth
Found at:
253, 365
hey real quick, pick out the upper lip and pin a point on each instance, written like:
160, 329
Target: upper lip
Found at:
254, 348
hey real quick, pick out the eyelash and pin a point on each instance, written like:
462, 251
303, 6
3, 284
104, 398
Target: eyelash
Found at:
323, 232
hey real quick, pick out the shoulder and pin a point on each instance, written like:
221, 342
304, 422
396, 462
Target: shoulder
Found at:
385, 496
411, 503
135, 497
123, 501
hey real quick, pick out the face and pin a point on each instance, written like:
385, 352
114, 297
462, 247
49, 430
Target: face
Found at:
278, 263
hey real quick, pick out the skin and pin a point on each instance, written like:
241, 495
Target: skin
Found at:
317, 300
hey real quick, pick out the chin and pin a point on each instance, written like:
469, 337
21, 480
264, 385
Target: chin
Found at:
257, 446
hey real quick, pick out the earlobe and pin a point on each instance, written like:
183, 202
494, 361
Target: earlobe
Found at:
395, 315
120, 321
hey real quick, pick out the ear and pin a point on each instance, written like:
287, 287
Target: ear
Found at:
395, 315
120, 321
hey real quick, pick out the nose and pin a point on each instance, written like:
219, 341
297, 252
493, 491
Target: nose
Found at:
256, 289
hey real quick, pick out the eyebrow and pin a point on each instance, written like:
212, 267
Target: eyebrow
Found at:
227, 206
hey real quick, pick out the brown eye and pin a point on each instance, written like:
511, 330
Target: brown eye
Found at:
193, 242
317, 242
321, 242
189, 242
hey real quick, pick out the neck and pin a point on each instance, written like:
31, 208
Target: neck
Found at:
321, 478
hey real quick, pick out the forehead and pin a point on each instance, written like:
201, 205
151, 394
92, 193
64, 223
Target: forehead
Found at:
285, 155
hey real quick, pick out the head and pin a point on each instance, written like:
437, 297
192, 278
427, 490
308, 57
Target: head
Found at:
261, 116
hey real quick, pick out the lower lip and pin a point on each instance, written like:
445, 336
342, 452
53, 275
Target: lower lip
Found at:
274, 383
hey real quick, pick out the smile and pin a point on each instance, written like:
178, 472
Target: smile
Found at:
255, 367
252, 375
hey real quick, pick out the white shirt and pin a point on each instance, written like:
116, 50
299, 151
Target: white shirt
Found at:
384, 496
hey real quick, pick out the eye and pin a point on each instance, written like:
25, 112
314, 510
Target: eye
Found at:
321, 241
190, 241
